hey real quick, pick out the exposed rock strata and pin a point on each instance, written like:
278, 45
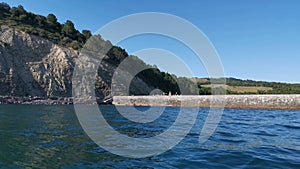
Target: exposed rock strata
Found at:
33, 66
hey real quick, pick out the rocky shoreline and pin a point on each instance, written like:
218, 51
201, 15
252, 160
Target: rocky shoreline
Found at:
35, 100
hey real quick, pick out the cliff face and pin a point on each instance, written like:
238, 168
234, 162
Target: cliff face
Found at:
34, 66
30, 65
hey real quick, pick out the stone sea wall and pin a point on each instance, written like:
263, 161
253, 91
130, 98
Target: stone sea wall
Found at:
291, 102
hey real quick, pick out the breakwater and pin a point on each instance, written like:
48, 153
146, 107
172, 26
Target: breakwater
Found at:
289, 102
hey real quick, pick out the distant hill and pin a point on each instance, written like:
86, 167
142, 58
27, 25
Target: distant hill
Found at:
238, 86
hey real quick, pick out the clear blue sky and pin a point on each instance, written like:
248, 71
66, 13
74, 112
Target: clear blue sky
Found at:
257, 39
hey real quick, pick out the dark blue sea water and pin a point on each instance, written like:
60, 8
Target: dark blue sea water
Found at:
51, 137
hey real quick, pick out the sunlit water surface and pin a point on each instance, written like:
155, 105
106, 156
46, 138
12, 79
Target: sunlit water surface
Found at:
51, 137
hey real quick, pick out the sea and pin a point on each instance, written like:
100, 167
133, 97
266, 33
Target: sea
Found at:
51, 136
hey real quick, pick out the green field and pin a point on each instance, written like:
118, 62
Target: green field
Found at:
241, 89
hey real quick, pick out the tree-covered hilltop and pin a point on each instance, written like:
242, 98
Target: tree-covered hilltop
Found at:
48, 27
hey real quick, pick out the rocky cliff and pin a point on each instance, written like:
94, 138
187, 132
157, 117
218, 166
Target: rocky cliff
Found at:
34, 66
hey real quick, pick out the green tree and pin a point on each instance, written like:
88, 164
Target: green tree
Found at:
204, 90
51, 18
4, 7
4, 10
87, 34
40, 21
52, 24
117, 54
69, 29
18, 11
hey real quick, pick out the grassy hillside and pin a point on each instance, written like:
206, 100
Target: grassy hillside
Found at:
241, 89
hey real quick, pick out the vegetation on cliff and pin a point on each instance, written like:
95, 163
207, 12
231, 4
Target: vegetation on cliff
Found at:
47, 27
